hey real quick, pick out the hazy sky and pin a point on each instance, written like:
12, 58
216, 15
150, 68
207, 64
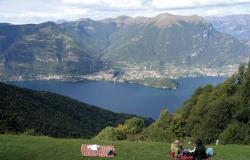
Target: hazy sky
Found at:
36, 11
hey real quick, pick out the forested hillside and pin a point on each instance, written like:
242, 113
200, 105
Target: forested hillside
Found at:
44, 113
221, 112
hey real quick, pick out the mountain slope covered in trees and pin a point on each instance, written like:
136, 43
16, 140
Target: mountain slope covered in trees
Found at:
44, 113
221, 112
25, 50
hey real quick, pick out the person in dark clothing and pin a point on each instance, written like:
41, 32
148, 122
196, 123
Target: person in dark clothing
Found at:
200, 151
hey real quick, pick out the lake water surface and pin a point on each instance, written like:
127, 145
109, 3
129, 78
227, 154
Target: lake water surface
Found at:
125, 97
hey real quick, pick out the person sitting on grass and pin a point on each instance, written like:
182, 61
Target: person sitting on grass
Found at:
175, 149
199, 152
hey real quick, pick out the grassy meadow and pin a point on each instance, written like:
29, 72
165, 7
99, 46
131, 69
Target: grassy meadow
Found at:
15, 147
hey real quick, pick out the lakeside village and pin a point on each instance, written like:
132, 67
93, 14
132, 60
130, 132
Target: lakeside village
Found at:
131, 73
172, 72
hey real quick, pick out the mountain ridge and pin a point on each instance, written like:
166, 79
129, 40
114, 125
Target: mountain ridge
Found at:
78, 48
235, 25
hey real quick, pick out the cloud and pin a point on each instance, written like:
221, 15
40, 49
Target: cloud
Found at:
152, 4
74, 11
121, 4
184, 4
212, 12
36, 11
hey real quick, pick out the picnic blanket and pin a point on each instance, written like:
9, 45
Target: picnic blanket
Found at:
103, 151
183, 157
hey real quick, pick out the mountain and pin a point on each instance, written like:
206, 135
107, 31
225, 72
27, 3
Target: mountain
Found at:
43, 49
78, 48
235, 25
170, 39
44, 113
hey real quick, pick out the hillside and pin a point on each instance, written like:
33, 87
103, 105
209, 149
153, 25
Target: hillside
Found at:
25, 50
235, 25
170, 39
70, 50
44, 148
221, 112
44, 113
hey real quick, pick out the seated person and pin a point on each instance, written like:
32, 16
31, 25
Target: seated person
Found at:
199, 152
175, 149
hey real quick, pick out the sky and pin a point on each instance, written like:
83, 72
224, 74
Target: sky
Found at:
37, 11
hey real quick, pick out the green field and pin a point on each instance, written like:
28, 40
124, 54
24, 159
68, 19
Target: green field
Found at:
44, 148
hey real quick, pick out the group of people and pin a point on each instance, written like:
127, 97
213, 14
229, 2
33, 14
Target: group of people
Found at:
198, 153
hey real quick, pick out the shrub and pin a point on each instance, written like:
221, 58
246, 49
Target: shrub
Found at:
154, 133
165, 119
30, 132
108, 134
134, 125
235, 133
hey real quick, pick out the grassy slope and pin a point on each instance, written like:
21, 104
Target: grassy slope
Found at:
44, 148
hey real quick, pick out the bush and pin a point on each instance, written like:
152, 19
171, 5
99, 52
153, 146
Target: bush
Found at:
155, 134
108, 134
165, 119
30, 132
134, 125
235, 133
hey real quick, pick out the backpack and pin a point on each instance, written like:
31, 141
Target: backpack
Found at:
210, 152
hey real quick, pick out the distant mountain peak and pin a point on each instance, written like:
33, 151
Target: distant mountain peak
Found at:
166, 19
161, 20
85, 19
123, 17
235, 25
61, 21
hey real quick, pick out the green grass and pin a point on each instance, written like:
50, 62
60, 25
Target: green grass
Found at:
14, 147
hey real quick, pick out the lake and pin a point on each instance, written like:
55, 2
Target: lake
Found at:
125, 97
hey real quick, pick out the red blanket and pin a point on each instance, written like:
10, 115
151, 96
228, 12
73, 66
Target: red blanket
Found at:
102, 152
185, 157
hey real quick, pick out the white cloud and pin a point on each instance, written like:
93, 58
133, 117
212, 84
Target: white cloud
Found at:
36, 11
74, 11
106, 3
212, 12
87, 2
171, 3
124, 3
193, 3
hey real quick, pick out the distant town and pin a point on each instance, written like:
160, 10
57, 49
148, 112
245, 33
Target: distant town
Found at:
172, 72
142, 75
